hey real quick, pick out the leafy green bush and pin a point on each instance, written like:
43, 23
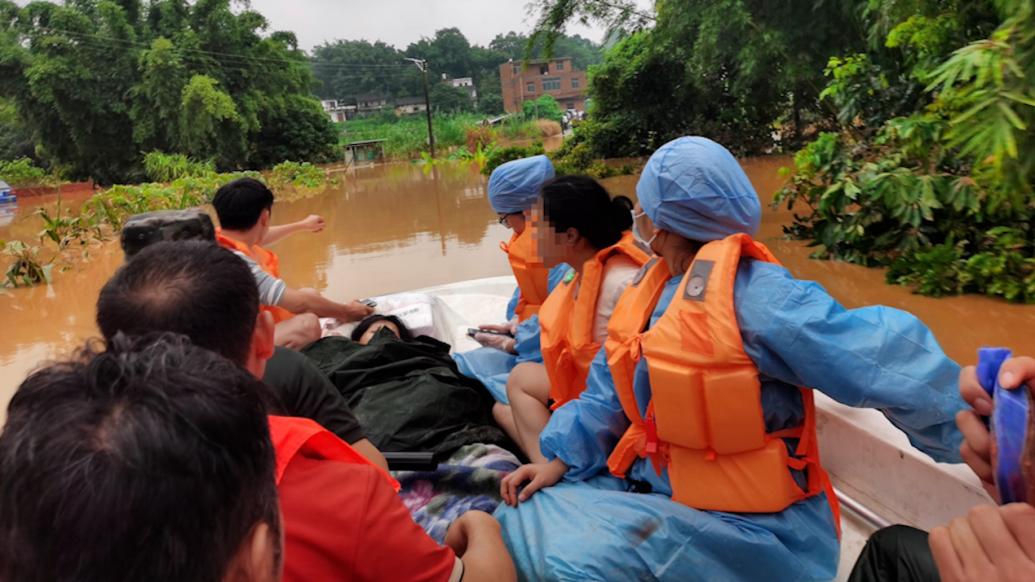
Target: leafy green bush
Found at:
944, 196
576, 156
162, 167
298, 175
503, 155
22, 172
545, 107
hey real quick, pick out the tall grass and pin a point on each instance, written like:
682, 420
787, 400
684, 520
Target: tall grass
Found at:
407, 137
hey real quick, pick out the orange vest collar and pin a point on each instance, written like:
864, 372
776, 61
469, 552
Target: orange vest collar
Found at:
293, 436
532, 276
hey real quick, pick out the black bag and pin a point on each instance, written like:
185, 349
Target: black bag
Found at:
146, 229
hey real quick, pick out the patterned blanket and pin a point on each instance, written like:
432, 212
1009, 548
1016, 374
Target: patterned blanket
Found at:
468, 479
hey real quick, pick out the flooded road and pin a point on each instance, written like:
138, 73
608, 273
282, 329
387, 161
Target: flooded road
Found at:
396, 227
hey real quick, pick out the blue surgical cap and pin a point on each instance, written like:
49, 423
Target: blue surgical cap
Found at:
515, 185
695, 188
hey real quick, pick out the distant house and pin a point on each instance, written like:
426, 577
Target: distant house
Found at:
337, 110
410, 106
467, 84
371, 150
557, 77
371, 103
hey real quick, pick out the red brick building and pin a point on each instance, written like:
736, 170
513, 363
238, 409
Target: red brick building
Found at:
557, 77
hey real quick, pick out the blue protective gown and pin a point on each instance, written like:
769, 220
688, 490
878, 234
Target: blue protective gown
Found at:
589, 527
491, 366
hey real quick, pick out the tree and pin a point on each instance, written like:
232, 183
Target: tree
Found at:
545, 107
490, 96
584, 52
295, 128
448, 53
157, 100
97, 82
15, 139
210, 125
347, 68
729, 69
446, 98
940, 188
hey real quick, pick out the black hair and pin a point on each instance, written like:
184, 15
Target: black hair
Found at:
240, 203
150, 461
580, 202
194, 288
404, 332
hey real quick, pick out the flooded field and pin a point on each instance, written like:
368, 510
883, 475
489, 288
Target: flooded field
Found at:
396, 227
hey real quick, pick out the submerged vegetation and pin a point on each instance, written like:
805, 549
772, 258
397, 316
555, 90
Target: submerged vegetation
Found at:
100, 218
23, 172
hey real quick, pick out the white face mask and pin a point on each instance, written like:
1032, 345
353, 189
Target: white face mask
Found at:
636, 230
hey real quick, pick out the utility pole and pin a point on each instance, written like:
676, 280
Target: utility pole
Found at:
423, 66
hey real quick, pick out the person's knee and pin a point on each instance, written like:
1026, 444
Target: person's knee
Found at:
529, 379
517, 381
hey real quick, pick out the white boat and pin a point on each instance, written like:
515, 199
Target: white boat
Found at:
879, 478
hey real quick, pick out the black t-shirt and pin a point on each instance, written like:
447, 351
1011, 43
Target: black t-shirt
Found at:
305, 392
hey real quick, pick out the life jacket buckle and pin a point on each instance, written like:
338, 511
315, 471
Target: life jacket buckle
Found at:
651, 446
636, 348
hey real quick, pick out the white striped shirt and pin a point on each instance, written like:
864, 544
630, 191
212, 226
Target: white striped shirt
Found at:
271, 289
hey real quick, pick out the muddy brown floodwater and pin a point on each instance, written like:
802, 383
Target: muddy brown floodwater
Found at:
396, 227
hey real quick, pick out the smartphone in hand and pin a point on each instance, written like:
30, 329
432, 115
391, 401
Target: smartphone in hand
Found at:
473, 330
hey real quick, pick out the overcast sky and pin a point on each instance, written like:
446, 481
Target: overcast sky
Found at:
400, 22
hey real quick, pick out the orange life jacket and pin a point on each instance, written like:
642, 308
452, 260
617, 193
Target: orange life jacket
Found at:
531, 275
294, 436
705, 421
629, 320
566, 322
267, 260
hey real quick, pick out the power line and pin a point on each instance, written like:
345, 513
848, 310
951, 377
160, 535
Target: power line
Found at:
241, 58
382, 76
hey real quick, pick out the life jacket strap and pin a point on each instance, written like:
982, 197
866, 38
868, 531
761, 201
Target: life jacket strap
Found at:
629, 448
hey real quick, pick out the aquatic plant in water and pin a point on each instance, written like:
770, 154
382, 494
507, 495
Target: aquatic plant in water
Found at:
26, 268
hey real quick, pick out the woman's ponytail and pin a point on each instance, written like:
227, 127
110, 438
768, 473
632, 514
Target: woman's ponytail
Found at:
621, 213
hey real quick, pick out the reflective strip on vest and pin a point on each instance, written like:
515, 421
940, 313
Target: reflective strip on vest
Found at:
293, 436
566, 322
532, 277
